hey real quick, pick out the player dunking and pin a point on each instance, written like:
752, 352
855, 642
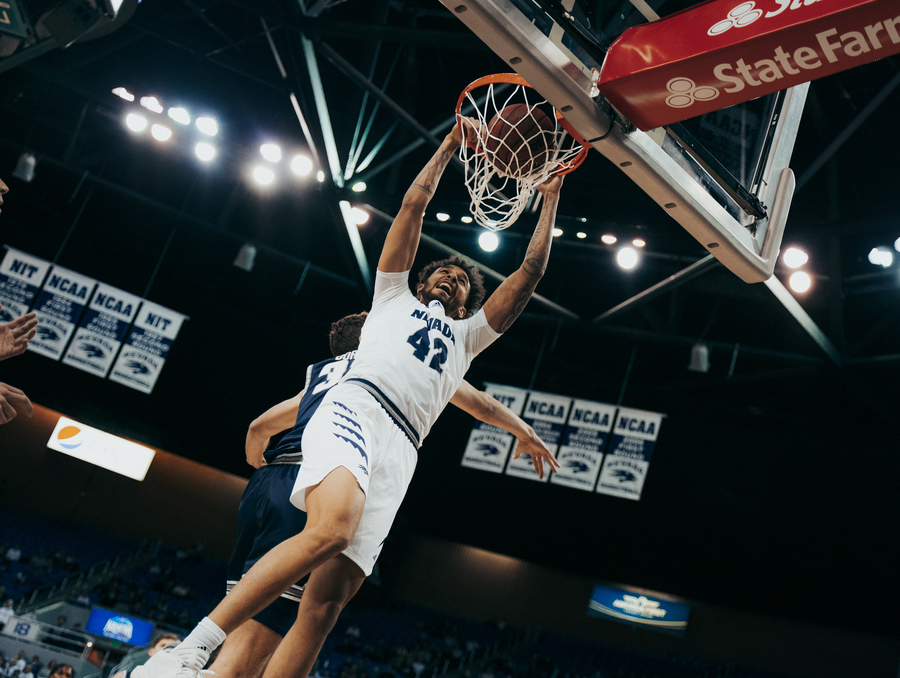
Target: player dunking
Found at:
359, 448
266, 516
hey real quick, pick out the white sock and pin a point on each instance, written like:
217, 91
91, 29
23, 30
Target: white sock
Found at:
205, 636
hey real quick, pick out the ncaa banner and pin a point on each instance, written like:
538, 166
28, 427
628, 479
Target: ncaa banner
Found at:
21, 276
101, 330
547, 415
489, 447
147, 347
581, 451
59, 305
628, 455
724, 52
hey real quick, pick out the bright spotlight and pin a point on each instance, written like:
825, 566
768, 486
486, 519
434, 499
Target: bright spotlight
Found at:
151, 104
442, 216
208, 126
557, 232
881, 256
466, 220
581, 235
358, 187
897, 244
488, 241
800, 281
301, 165
608, 239
358, 216
627, 258
263, 175
638, 242
180, 115
135, 122
205, 151
161, 132
271, 152
320, 176
123, 93
794, 258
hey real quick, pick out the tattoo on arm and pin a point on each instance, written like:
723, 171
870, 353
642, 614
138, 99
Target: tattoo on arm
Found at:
428, 177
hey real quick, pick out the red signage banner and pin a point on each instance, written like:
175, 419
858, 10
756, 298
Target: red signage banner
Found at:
724, 52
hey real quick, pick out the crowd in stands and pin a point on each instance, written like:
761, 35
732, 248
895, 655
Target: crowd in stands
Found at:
22, 667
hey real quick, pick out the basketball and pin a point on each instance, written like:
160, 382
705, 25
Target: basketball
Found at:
519, 141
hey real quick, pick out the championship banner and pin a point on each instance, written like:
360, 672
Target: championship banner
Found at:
23, 629
489, 447
640, 609
147, 347
102, 329
581, 451
21, 276
547, 414
628, 455
59, 305
725, 52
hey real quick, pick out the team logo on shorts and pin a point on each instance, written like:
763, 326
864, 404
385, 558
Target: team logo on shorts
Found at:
742, 15
350, 434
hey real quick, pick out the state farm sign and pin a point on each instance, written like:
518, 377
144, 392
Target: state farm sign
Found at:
724, 52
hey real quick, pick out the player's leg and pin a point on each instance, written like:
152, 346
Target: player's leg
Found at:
246, 652
330, 588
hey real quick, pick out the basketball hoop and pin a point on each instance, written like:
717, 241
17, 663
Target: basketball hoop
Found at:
522, 141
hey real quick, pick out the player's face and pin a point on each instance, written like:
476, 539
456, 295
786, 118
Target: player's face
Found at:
450, 286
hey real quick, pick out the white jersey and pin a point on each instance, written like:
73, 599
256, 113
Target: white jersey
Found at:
413, 356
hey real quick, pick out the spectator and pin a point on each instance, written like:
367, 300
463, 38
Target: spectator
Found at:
62, 671
159, 643
5, 613
27, 672
36, 665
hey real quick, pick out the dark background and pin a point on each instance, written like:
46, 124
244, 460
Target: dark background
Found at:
772, 489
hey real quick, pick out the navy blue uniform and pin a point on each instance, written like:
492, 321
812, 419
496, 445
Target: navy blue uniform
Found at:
266, 516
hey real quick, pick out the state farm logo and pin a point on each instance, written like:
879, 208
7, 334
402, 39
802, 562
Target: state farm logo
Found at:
684, 92
742, 15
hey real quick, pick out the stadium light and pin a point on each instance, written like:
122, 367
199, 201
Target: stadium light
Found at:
639, 242
442, 216
151, 104
466, 220
358, 187
123, 93
359, 216
301, 165
627, 258
897, 244
161, 132
557, 232
180, 115
794, 258
881, 256
799, 281
608, 239
488, 241
135, 122
263, 175
205, 151
207, 125
320, 176
271, 152
581, 235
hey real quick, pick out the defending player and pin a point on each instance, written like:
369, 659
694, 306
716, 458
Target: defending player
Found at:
359, 448
266, 516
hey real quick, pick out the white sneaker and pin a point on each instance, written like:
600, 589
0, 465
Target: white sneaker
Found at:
184, 662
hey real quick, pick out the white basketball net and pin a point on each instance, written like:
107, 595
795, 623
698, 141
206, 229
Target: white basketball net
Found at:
500, 192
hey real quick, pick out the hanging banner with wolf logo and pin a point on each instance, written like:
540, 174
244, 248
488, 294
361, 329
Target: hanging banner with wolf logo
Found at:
547, 414
101, 330
147, 347
489, 447
628, 454
21, 276
583, 442
58, 307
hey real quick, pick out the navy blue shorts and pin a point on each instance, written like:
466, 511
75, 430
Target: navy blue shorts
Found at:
266, 518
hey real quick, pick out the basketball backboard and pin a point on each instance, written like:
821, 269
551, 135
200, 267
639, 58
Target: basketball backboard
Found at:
723, 176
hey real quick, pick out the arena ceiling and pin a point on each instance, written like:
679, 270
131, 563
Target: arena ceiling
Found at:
772, 487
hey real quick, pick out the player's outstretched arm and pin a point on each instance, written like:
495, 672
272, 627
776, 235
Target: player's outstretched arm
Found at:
11, 401
15, 335
487, 409
274, 420
402, 240
508, 301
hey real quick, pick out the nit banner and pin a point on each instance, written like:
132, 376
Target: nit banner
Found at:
489, 447
147, 347
21, 276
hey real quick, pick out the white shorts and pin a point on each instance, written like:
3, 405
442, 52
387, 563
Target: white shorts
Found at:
352, 430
